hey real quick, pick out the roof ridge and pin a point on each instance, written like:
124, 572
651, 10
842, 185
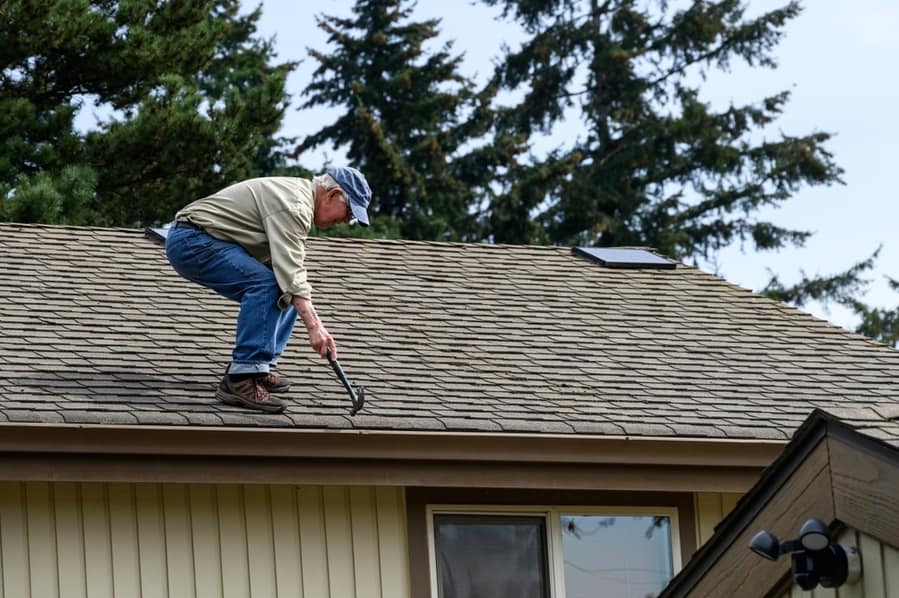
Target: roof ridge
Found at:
324, 238
440, 243
41, 225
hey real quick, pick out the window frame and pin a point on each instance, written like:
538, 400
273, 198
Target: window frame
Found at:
553, 516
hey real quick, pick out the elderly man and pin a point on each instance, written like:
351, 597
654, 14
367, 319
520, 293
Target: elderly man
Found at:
248, 243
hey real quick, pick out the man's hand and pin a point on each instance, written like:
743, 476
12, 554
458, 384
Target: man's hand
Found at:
319, 337
322, 341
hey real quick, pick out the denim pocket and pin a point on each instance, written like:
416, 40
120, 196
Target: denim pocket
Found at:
184, 248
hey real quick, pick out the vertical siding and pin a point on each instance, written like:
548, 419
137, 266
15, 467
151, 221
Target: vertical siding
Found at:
151, 542
14, 541
260, 540
188, 541
286, 543
40, 523
179, 553
711, 507
880, 571
391, 514
233, 535
123, 539
97, 540
207, 550
70, 541
313, 543
366, 558
339, 543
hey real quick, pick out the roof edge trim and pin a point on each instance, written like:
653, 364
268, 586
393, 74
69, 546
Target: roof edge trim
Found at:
376, 444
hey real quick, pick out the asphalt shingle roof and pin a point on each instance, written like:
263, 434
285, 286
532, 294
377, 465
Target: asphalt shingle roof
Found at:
97, 329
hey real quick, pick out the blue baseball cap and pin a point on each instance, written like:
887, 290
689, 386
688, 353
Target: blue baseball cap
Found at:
356, 187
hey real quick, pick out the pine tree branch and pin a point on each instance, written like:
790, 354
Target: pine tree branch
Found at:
839, 288
759, 27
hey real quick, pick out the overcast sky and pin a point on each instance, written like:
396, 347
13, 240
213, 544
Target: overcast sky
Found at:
839, 59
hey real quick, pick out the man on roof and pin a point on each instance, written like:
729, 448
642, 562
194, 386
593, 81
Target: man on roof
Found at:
247, 242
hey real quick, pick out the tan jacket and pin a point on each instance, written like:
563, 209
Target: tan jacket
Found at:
270, 217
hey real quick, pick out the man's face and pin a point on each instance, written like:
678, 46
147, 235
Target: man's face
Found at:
331, 207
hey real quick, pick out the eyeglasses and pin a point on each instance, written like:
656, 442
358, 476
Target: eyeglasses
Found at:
349, 210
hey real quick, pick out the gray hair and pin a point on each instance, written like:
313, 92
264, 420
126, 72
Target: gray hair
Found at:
325, 181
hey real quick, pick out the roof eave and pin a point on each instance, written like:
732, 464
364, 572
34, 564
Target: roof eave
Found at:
168, 454
385, 444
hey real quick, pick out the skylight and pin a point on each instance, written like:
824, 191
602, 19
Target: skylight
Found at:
615, 257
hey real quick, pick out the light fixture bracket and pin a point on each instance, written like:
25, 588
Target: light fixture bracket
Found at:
815, 559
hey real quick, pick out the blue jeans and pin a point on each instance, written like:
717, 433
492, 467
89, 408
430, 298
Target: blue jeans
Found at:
228, 269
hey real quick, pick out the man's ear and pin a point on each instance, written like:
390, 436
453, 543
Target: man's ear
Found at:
335, 193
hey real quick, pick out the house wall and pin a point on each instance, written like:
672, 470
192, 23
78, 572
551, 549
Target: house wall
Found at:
192, 540
710, 508
880, 571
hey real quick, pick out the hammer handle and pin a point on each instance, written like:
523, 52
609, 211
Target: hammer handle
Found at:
357, 398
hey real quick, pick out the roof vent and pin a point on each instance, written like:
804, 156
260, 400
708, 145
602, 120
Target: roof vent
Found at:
157, 234
625, 258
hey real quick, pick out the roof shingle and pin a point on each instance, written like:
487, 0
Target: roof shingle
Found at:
97, 328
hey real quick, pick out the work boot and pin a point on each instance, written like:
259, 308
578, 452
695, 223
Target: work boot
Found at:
250, 393
275, 382
272, 382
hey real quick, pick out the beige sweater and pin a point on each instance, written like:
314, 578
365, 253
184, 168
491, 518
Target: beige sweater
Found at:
270, 217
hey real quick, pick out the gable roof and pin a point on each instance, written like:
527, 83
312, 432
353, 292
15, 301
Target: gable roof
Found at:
829, 471
98, 329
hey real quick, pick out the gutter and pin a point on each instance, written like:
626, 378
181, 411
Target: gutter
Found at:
44, 452
73, 439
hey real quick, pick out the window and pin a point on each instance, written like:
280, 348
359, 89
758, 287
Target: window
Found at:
551, 552
616, 556
470, 549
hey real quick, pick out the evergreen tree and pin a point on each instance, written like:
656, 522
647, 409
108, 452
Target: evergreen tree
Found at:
880, 324
190, 101
407, 115
655, 165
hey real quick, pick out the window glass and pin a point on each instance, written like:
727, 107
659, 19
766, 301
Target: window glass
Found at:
616, 556
497, 556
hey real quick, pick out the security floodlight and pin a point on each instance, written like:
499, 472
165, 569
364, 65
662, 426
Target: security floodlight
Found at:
814, 559
814, 535
766, 545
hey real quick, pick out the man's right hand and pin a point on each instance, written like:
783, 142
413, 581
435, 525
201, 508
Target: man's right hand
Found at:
319, 337
322, 341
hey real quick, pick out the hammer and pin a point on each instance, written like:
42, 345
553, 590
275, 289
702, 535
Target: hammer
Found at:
357, 397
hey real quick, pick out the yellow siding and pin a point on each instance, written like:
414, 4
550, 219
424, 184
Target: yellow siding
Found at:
179, 541
339, 543
286, 543
260, 533
174, 540
880, 571
69, 538
391, 514
367, 565
14, 541
710, 508
313, 543
97, 540
41, 539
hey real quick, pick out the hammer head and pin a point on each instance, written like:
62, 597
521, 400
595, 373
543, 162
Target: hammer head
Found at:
358, 399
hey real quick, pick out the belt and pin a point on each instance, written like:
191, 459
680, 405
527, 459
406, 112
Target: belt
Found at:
186, 224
